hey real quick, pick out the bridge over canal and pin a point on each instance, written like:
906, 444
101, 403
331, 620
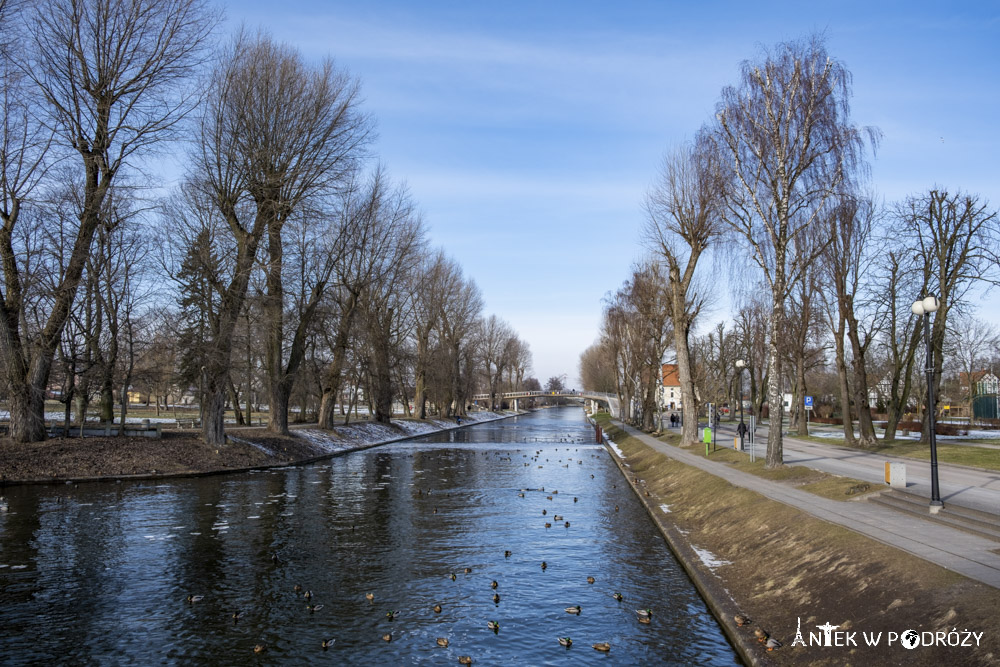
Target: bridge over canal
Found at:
609, 401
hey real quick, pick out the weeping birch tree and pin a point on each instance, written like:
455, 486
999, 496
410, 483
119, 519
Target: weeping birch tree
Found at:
788, 144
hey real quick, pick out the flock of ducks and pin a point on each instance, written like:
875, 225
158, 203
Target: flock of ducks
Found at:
643, 616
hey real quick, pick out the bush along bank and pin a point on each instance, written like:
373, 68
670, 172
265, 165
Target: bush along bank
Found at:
828, 595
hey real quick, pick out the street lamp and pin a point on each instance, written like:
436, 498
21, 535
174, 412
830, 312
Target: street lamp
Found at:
741, 429
925, 307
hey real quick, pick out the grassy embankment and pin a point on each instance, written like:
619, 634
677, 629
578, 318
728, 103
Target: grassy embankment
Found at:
785, 565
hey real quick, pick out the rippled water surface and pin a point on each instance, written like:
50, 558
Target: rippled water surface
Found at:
100, 573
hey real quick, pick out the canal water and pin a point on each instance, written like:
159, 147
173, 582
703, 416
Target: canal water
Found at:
100, 573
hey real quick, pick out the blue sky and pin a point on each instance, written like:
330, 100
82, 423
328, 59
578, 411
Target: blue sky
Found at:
528, 132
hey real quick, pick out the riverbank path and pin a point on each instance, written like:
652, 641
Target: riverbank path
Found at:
969, 555
975, 488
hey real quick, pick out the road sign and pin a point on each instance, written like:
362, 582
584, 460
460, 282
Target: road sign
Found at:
809, 402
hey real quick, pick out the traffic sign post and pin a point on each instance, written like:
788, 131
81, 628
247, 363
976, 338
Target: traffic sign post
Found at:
809, 407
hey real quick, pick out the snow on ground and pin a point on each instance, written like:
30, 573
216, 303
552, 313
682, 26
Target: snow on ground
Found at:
613, 446
913, 435
665, 509
361, 434
708, 558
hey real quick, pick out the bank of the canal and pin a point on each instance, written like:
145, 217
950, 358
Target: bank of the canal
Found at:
184, 454
787, 570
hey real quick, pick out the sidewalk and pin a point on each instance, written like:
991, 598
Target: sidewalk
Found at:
974, 557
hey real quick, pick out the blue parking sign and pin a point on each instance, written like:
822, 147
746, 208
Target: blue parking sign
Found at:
809, 401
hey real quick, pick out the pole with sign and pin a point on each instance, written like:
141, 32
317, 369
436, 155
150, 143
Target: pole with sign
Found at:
809, 407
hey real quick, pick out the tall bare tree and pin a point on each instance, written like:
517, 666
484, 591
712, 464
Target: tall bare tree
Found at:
788, 143
111, 80
957, 240
305, 137
682, 223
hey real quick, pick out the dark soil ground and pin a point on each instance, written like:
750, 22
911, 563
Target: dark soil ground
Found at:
785, 565
177, 452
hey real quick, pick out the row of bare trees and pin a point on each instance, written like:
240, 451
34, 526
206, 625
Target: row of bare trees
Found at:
821, 271
284, 266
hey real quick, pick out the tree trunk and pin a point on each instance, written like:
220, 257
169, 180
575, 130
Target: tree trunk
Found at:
775, 453
866, 429
800, 382
332, 377
845, 392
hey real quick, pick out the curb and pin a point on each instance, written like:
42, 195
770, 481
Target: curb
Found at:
236, 471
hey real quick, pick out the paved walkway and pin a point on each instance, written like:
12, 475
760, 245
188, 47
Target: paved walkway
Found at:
961, 552
976, 488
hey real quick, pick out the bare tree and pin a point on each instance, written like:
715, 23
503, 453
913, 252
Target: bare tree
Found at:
111, 76
851, 226
971, 342
299, 143
495, 336
957, 238
788, 145
461, 304
682, 223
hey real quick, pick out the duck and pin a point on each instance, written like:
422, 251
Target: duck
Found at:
453, 577
437, 609
308, 595
544, 565
548, 525
556, 517
761, 635
237, 615
566, 524
772, 644
618, 596
506, 554
494, 584
275, 559
442, 642
574, 609
566, 641
591, 580
604, 647
544, 512
387, 637
313, 607
297, 588
644, 613
493, 625
465, 659
741, 620
496, 598
327, 643
468, 570
575, 499
391, 614
195, 598
370, 597
644, 620
260, 648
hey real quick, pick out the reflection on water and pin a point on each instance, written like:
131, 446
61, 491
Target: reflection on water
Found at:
100, 573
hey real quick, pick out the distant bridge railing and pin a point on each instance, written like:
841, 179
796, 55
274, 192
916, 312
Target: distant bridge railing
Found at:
603, 397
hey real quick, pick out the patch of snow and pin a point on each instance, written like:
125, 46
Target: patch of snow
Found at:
613, 446
665, 509
708, 558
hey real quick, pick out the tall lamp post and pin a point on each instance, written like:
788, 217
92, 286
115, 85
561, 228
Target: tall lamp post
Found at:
741, 429
925, 307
